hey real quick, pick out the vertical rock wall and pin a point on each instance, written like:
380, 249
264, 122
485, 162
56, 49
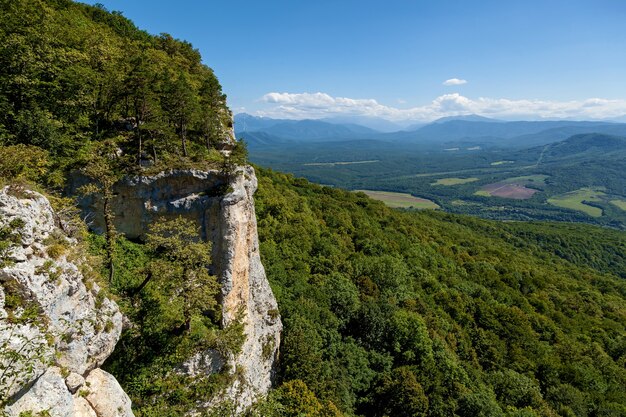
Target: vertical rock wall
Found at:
223, 208
245, 289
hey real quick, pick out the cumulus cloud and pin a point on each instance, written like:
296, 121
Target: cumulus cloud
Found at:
454, 81
319, 105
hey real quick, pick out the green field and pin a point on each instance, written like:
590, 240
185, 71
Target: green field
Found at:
454, 181
619, 203
574, 201
482, 193
332, 164
400, 200
538, 179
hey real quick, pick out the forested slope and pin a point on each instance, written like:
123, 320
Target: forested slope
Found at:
75, 79
408, 314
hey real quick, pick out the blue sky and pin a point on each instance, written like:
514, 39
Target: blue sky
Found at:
295, 58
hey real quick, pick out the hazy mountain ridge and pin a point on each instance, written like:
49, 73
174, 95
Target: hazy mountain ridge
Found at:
448, 130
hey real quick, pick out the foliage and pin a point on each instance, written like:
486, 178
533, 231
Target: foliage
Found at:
452, 179
23, 162
386, 313
390, 313
9, 237
72, 74
182, 267
164, 288
22, 352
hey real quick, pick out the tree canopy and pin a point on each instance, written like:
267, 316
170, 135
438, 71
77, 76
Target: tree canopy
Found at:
71, 74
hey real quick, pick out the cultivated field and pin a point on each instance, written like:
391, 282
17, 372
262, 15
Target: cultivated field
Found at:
400, 200
454, 181
499, 189
574, 200
527, 180
515, 188
619, 203
332, 164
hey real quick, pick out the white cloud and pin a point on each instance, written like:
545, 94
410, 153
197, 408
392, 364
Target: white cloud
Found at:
319, 105
454, 81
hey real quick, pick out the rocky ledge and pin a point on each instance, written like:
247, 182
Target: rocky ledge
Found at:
56, 325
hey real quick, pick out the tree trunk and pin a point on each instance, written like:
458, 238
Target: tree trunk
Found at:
138, 130
139, 148
183, 137
143, 284
109, 232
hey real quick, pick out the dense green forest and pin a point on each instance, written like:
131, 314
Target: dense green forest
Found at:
575, 165
77, 81
390, 313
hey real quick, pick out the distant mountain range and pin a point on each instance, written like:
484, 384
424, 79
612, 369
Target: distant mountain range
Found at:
262, 131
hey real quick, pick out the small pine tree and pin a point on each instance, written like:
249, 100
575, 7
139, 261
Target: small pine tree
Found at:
181, 267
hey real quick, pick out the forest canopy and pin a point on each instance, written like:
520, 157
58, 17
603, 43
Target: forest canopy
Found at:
391, 313
73, 74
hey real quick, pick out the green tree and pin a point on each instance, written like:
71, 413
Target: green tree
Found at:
180, 104
399, 394
103, 169
181, 268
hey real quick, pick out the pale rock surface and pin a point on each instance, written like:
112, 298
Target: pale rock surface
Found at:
106, 396
74, 381
229, 222
245, 288
75, 329
82, 408
48, 393
202, 363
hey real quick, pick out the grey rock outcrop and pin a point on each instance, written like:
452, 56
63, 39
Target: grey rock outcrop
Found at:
55, 326
245, 289
223, 208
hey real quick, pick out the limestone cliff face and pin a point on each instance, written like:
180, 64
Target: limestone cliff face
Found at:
245, 288
56, 328
223, 208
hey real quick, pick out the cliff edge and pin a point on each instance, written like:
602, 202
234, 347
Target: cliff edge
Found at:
56, 325
223, 208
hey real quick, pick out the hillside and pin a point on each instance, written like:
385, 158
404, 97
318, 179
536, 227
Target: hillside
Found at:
391, 313
587, 145
75, 79
298, 130
449, 131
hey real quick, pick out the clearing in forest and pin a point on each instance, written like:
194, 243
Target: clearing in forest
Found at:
453, 181
400, 200
515, 188
575, 200
619, 203
332, 164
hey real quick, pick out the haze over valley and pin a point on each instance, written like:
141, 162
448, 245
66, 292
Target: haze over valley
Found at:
522, 170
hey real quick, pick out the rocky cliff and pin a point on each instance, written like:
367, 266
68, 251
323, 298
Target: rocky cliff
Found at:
56, 326
223, 208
